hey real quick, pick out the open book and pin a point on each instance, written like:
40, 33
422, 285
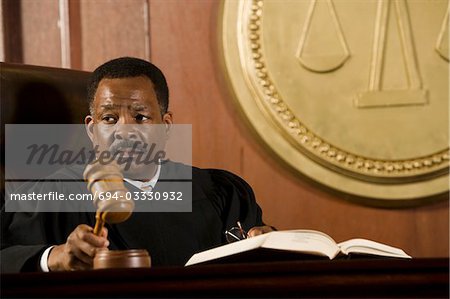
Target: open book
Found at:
305, 242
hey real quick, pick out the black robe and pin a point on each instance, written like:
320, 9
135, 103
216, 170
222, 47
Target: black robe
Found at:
219, 200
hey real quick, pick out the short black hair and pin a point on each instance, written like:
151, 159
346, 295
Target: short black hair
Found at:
128, 67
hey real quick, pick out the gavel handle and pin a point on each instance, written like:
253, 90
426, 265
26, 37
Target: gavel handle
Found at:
100, 222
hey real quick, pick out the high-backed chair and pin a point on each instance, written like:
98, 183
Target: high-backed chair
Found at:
36, 94
40, 95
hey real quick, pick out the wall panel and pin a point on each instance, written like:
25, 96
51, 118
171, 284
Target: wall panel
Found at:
181, 34
40, 32
113, 28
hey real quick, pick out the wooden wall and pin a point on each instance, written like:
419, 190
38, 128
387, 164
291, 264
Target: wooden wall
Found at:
180, 37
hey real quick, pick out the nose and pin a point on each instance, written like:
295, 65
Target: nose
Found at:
125, 132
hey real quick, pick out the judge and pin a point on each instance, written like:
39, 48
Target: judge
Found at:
123, 94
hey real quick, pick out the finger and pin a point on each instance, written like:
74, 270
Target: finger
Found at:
83, 260
84, 227
86, 246
87, 228
255, 231
74, 252
104, 233
86, 249
77, 252
259, 230
83, 243
89, 237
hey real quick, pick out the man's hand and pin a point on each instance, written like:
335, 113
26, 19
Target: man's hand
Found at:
259, 230
79, 250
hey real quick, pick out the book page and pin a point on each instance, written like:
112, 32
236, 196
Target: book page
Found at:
364, 246
226, 250
304, 241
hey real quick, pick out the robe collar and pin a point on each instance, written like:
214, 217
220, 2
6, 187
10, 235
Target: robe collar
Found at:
148, 185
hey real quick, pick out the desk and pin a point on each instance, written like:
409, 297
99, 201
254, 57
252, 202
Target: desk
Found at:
339, 278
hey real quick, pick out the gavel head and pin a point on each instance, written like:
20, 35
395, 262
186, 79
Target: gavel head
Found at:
105, 182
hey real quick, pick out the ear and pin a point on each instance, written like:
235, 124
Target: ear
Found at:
89, 125
168, 120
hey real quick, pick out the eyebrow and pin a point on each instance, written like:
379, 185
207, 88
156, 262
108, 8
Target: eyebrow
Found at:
134, 106
138, 107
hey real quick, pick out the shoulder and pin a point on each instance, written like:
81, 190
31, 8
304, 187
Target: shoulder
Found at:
207, 178
184, 170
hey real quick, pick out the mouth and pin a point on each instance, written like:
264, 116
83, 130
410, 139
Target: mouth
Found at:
127, 148
128, 152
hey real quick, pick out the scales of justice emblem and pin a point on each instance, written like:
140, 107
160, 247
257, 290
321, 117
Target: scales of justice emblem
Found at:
321, 61
356, 92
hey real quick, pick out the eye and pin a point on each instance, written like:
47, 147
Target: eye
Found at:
142, 118
109, 119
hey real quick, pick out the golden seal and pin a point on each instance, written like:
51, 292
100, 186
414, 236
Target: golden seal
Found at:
353, 94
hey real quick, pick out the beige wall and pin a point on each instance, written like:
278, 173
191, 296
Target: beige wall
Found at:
180, 37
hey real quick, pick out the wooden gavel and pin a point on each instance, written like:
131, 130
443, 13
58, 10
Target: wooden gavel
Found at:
105, 182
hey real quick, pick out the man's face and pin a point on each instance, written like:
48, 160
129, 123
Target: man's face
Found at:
126, 122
